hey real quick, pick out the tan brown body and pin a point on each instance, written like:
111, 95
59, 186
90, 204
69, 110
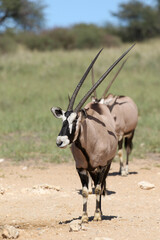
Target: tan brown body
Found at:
97, 136
125, 113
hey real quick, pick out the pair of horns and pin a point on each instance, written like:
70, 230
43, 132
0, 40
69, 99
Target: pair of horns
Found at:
93, 88
72, 99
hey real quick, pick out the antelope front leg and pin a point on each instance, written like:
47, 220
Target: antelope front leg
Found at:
83, 174
98, 213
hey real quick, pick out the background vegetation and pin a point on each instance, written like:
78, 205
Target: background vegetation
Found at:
23, 21
38, 68
33, 82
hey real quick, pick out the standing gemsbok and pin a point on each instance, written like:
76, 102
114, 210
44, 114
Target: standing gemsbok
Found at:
125, 114
91, 133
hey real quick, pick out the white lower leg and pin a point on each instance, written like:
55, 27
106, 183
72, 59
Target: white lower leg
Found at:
98, 215
127, 169
90, 184
122, 170
85, 199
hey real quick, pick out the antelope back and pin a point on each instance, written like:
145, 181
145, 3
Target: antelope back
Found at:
124, 111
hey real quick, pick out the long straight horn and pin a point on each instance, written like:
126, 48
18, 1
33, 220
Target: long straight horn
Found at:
93, 82
72, 100
109, 85
84, 99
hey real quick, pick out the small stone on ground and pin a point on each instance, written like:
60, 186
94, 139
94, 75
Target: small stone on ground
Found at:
75, 226
146, 185
10, 232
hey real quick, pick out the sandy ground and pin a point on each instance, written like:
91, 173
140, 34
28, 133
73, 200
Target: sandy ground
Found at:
41, 200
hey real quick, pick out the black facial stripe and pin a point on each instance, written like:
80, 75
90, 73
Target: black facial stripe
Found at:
65, 131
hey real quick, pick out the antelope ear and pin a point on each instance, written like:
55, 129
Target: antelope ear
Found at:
57, 112
93, 99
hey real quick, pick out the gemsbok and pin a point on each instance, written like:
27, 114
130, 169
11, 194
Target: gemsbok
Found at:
125, 114
91, 133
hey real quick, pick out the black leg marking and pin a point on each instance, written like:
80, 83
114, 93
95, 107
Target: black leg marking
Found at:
85, 207
120, 154
100, 204
104, 179
83, 177
120, 144
128, 147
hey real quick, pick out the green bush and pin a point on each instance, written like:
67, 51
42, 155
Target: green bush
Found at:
32, 41
7, 44
47, 40
60, 38
111, 41
87, 36
80, 36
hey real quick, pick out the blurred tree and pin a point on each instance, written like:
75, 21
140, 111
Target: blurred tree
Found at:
138, 20
158, 4
27, 15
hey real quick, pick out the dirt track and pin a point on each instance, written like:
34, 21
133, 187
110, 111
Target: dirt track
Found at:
44, 214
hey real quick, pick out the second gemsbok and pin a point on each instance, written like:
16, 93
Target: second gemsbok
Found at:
125, 114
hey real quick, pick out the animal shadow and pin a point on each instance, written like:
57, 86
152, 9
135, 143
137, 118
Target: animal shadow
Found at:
69, 220
118, 174
90, 219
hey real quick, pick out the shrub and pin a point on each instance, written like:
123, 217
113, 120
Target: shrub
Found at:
61, 38
79, 36
87, 36
7, 44
111, 41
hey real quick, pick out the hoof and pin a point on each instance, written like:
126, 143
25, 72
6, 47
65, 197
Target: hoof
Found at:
85, 192
98, 189
127, 170
97, 216
123, 172
90, 191
84, 218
